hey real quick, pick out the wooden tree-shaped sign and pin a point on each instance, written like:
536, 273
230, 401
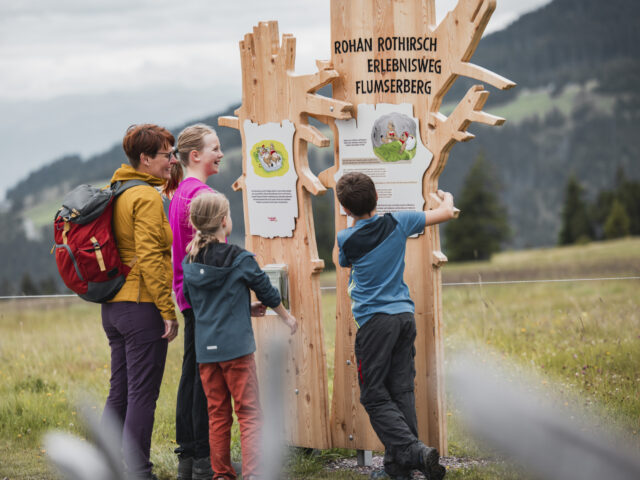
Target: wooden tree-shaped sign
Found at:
277, 183
395, 67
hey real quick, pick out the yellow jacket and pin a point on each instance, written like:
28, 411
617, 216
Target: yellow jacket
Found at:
142, 230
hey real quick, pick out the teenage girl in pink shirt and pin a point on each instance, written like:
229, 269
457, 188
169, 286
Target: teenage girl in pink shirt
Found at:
200, 154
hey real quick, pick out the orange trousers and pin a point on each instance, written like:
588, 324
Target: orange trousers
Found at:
222, 381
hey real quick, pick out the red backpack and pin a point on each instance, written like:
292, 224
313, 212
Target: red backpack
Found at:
85, 246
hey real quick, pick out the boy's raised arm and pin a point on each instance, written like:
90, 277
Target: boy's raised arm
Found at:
445, 211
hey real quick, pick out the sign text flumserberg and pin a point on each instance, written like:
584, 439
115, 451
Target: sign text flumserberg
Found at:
411, 65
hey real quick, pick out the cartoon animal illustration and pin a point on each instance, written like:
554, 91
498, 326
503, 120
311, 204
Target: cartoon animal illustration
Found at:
408, 142
276, 158
269, 158
264, 156
391, 134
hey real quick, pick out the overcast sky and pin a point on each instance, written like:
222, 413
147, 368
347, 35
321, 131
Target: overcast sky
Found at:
76, 73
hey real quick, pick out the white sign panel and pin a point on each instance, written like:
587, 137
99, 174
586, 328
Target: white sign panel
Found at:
270, 179
384, 143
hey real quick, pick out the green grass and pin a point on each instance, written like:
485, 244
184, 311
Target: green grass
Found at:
390, 152
594, 260
43, 213
581, 339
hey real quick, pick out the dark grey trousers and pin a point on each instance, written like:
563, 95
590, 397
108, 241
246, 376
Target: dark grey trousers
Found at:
138, 355
385, 354
192, 418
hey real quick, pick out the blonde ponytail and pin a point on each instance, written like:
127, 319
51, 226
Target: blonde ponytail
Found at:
207, 211
191, 138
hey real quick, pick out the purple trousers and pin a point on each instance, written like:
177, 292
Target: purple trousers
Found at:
138, 355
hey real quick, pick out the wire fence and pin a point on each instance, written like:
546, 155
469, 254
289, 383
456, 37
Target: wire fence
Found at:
517, 282
446, 284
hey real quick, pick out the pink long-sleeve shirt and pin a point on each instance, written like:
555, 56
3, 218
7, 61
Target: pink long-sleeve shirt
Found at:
182, 229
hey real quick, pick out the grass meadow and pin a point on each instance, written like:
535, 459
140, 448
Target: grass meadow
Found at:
581, 339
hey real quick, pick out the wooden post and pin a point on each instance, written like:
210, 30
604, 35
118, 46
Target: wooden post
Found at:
275, 98
391, 52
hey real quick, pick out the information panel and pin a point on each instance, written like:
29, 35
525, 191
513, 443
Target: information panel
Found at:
271, 179
384, 143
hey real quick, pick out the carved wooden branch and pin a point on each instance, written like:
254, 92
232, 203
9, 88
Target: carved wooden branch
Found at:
312, 135
479, 73
444, 132
327, 177
270, 74
467, 21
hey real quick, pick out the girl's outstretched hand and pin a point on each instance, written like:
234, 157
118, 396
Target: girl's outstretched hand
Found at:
287, 318
292, 323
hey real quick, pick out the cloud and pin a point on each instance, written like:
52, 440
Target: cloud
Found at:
96, 47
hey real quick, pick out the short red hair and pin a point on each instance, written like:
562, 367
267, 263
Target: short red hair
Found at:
146, 138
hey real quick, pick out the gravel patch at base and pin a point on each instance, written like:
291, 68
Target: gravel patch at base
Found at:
449, 462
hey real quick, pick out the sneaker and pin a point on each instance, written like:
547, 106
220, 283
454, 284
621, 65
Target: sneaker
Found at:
430, 464
201, 469
382, 475
185, 466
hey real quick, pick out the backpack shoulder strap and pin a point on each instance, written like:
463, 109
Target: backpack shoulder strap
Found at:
119, 187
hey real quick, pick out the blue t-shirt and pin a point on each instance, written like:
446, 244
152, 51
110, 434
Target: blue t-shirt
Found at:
374, 249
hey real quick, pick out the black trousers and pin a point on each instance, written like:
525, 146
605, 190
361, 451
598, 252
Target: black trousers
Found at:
192, 420
385, 354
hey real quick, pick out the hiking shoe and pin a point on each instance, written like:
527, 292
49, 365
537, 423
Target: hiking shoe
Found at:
382, 475
430, 465
185, 466
201, 469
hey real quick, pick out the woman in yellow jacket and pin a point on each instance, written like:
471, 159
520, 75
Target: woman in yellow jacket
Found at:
140, 320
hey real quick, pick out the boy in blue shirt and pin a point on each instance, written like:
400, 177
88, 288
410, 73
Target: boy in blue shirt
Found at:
374, 248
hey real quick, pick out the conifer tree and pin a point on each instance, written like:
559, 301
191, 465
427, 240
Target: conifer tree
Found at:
27, 286
629, 196
627, 193
482, 227
617, 224
48, 286
576, 225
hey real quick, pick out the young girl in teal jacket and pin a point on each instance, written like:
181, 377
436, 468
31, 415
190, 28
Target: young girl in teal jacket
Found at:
218, 278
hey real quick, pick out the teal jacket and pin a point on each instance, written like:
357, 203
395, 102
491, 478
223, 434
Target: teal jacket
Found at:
216, 285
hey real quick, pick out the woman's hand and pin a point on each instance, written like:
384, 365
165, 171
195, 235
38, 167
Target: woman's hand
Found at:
170, 329
258, 309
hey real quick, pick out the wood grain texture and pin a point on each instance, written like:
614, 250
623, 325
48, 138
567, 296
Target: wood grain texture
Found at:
272, 92
456, 37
